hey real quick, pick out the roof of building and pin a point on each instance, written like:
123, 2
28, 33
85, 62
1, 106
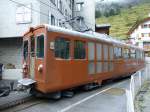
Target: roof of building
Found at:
137, 24
103, 26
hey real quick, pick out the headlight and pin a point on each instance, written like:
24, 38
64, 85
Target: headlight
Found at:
40, 68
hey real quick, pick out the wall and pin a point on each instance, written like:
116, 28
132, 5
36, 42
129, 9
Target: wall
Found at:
8, 25
11, 57
88, 13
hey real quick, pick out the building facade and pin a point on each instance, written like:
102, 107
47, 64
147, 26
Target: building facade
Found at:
18, 15
139, 35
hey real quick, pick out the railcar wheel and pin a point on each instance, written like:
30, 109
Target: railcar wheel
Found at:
91, 86
68, 94
56, 95
35, 93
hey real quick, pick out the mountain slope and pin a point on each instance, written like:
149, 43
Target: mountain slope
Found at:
120, 24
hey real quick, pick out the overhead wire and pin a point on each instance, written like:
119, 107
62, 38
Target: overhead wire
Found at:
40, 12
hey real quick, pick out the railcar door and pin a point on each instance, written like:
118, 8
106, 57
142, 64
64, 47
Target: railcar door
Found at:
32, 57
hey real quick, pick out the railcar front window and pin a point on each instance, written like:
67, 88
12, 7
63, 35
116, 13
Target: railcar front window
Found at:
32, 46
62, 48
40, 46
79, 50
25, 50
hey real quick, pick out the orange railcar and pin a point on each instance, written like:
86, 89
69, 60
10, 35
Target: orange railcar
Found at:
58, 59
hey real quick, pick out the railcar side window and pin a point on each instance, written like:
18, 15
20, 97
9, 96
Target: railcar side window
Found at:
99, 51
91, 54
40, 46
79, 50
111, 53
132, 53
99, 58
106, 61
62, 48
25, 50
137, 54
105, 47
117, 52
126, 53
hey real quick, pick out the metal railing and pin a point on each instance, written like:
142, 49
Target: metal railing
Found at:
136, 82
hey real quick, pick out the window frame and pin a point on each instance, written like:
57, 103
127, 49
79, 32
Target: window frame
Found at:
133, 53
53, 20
126, 53
99, 62
56, 58
91, 58
119, 52
25, 57
36, 46
85, 54
23, 14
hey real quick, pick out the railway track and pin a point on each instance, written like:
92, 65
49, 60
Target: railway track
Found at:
20, 103
14, 103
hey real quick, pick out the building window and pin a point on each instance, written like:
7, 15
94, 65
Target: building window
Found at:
70, 4
23, 14
66, 13
145, 35
145, 26
146, 46
52, 20
54, 2
80, 20
59, 22
40, 46
62, 48
79, 6
60, 6
79, 50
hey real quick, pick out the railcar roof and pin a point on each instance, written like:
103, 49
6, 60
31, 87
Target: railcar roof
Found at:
93, 35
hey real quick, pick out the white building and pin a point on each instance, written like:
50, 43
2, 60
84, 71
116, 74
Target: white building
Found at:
18, 15
140, 34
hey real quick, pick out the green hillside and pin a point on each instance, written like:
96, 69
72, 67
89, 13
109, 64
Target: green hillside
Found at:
120, 24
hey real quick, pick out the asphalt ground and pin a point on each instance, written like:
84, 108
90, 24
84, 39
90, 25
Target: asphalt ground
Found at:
109, 98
